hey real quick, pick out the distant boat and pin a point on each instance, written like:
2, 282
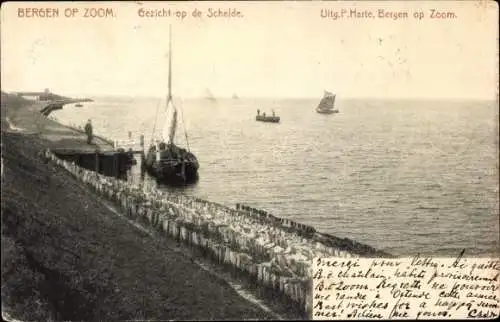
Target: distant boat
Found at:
79, 105
235, 97
210, 96
327, 104
167, 162
267, 118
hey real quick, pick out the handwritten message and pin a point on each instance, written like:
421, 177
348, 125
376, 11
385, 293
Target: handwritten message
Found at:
406, 288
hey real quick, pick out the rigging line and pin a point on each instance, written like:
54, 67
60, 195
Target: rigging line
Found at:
156, 119
184, 125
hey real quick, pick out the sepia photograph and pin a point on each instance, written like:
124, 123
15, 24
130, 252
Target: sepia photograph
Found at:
249, 160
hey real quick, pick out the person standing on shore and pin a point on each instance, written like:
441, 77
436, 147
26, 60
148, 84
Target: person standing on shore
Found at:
88, 131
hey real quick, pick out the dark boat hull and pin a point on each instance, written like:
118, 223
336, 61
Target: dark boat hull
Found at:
170, 170
173, 174
269, 119
320, 111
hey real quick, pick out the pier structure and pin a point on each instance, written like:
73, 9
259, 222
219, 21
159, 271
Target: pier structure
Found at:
68, 142
50, 101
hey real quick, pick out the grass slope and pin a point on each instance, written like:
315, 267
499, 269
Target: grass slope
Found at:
65, 256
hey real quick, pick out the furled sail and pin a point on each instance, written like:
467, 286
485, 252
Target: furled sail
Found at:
173, 127
170, 124
327, 102
166, 127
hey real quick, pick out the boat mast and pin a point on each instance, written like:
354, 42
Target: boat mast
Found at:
169, 95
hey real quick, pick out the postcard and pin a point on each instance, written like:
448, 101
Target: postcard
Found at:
267, 160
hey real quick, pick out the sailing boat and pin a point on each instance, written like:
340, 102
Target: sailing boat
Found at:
235, 97
165, 161
210, 96
327, 103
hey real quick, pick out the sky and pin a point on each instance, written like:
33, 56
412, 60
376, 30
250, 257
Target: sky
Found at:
275, 50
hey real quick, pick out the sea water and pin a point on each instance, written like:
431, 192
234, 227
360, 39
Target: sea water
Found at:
406, 177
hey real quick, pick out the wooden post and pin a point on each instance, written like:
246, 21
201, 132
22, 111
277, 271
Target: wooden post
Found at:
143, 163
97, 162
115, 165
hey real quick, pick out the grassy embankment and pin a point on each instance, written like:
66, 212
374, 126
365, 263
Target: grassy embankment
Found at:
65, 256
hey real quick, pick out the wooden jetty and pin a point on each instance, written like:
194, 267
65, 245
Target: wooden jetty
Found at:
69, 143
102, 156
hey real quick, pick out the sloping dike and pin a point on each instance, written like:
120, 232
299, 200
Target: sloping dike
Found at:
274, 253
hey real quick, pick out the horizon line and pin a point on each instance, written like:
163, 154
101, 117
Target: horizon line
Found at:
269, 97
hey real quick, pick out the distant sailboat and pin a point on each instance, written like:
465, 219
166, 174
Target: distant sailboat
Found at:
210, 96
235, 97
327, 104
